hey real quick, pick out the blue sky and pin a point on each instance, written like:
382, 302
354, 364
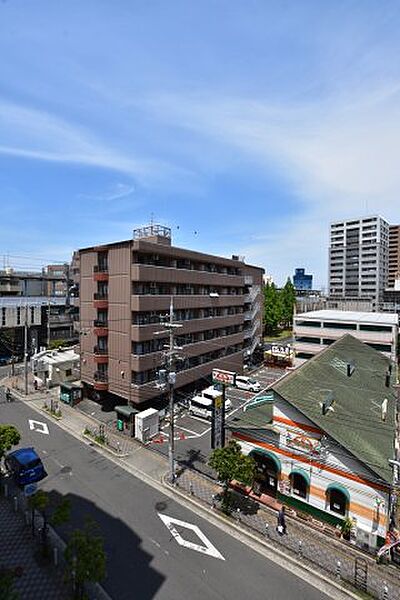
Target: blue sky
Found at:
245, 126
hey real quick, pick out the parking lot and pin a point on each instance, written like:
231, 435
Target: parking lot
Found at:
193, 434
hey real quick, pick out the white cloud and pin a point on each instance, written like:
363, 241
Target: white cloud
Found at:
39, 135
339, 157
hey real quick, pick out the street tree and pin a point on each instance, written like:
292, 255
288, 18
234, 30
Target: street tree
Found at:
288, 300
38, 502
85, 557
231, 464
9, 437
7, 579
272, 308
60, 513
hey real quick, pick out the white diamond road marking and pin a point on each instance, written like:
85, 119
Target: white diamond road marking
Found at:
38, 426
208, 548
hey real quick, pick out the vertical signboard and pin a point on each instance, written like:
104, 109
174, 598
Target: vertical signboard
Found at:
218, 422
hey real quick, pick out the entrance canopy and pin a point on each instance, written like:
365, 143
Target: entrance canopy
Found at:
126, 411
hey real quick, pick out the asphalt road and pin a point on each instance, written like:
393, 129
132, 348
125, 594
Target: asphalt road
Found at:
145, 560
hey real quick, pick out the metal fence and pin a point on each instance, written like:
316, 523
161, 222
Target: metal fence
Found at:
311, 547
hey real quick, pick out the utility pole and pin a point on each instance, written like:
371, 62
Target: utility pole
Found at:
26, 350
170, 380
48, 323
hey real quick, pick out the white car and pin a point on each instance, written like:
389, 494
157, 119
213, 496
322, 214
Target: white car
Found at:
247, 383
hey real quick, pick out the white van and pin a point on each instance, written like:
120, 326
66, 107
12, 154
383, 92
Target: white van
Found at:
201, 405
247, 383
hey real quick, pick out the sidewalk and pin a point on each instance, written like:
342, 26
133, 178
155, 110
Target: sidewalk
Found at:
17, 552
323, 553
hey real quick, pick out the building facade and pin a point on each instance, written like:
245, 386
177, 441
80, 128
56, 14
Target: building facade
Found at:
314, 331
301, 280
394, 256
359, 259
323, 448
47, 319
125, 290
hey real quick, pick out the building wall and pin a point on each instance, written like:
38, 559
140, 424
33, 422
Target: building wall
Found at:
327, 463
394, 255
140, 278
14, 316
311, 335
359, 258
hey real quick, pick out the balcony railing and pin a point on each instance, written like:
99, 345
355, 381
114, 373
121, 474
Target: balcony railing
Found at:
100, 376
100, 351
100, 323
100, 269
100, 295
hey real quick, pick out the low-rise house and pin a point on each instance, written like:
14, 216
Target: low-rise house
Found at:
54, 367
322, 438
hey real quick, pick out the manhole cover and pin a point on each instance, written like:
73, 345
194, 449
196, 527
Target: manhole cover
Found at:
66, 470
160, 505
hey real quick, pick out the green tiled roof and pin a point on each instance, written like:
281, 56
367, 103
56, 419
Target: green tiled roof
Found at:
356, 419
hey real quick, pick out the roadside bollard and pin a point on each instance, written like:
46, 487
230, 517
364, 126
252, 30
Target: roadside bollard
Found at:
385, 591
55, 556
338, 569
15, 504
266, 529
213, 501
191, 488
5, 490
238, 514
300, 549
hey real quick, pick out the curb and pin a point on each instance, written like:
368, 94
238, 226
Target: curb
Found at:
339, 592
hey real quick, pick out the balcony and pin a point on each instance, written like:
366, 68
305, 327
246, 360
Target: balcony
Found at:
100, 381
100, 355
100, 273
100, 328
100, 300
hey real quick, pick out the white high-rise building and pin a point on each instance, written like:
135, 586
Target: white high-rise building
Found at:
358, 259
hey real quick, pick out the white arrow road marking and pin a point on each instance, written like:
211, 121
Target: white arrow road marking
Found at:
207, 548
38, 426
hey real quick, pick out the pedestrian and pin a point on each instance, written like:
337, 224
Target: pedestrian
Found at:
281, 526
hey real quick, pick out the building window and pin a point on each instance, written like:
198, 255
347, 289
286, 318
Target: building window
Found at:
68, 372
32, 315
3, 316
18, 315
300, 484
337, 499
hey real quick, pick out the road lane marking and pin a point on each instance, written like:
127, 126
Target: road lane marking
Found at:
38, 426
207, 548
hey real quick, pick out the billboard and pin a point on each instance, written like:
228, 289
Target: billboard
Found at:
224, 377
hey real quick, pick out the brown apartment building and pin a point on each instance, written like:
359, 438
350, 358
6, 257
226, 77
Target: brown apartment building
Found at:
125, 291
394, 255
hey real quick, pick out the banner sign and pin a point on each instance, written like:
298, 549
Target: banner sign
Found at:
224, 377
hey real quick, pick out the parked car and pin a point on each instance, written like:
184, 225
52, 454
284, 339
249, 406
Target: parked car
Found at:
4, 360
202, 404
249, 384
25, 466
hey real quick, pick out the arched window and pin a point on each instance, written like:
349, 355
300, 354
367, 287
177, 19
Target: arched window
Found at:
338, 498
299, 483
268, 469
